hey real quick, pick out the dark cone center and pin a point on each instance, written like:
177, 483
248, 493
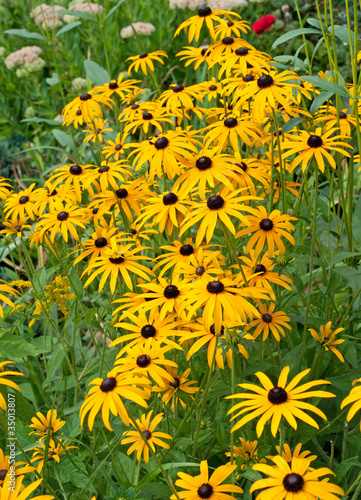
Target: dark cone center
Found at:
135, 106
121, 193
143, 55
248, 78
176, 383
203, 51
215, 202
113, 85
95, 211
171, 292
200, 270
170, 199
178, 88
215, 287
228, 40
75, 170
204, 11
17, 228
147, 434
148, 331
103, 169
266, 224
293, 482
230, 122
147, 116
267, 318
205, 491
161, 143
342, 115
314, 141
100, 242
78, 113
108, 384
23, 200
203, 163
265, 81
143, 361
118, 147
213, 330
277, 396
85, 97
116, 260
242, 51
260, 269
213, 87
186, 250
62, 216
3, 473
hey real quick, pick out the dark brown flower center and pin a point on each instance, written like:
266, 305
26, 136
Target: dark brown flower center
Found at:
135, 106
229, 24
200, 271
148, 331
342, 115
203, 51
103, 169
108, 384
260, 269
215, 202
78, 113
293, 482
242, 51
178, 88
176, 383
314, 141
100, 242
171, 292
17, 228
203, 163
143, 55
277, 396
186, 250
62, 216
228, 40
215, 287
161, 143
75, 170
53, 193
23, 200
147, 434
133, 231
213, 87
116, 260
118, 147
147, 116
3, 473
170, 199
121, 193
52, 453
143, 361
242, 165
85, 97
248, 78
267, 318
230, 122
265, 81
95, 211
205, 491
113, 85
204, 11
266, 224
213, 330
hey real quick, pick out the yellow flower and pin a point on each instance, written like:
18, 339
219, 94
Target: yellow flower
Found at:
53, 453
145, 61
355, 398
269, 321
20, 204
4, 287
326, 337
172, 390
21, 493
9, 383
41, 424
88, 104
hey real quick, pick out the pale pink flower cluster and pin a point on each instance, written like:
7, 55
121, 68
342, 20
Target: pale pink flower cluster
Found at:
226, 4
88, 7
139, 27
186, 4
43, 15
23, 57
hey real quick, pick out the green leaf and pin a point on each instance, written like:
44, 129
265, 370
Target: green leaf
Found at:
356, 220
25, 34
111, 12
342, 34
290, 124
53, 80
40, 280
63, 138
76, 284
75, 13
298, 282
249, 473
68, 27
291, 61
326, 85
36, 119
294, 33
314, 22
342, 256
320, 99
342, 469
68, 473
95, 72
15, 347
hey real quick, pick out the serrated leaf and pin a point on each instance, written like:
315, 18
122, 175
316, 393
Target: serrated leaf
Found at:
95, 72
15, 347
294, 33
25, 34
320, 99
68, 27
63, 138
326, 85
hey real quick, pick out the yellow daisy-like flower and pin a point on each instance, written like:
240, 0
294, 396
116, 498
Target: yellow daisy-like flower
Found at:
147, 427
172, 390
15, 227
204, 487
244, 57
231, 28
89, 105
106, 395
217, 206
117, 261
144, 359
21, 493
4, 381
230, 131
205, 16
317, 145
99, 241
123, 87
114, 148
42, 424
5, 188
9, 469
5, 288
297, 453
197, 55
47, 197
179, 96
96, 130
296, 480
249, 171
154, 117
330, 118
269, 321
268, 229
327, 339
145, 61
355, 398
21, 204
71, 175
247, 452
53, 453
108, 175
275, 402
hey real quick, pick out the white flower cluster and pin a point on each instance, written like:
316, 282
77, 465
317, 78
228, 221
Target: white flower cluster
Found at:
79, 84
26, 60
82, 6
139, 27
43, 15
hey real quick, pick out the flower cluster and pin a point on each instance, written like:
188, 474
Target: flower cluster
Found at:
26, 60
45, 15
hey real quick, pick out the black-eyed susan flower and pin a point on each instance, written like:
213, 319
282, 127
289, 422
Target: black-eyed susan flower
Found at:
72, 175
46, 425
122, 87
115, 262
89, 105
242, 59
173, 390
98, 242
327, 338
218, 206
230, 131
130, 113
9, 470
197, 55
96, 130
5, 188
318, 145
145, 359
144, 61
21, 204
275, 402
231, 28
288, 455
147, 426
166, 210
225, 48
355, 398
46, 197
277, 189
5, 288
164, 153
269, 321
63, 219
145, 327
53, 452
108, 175
248, 171
145, 119
330, 117
22, 493
205, 16
296, 480
114, 147
107, 395
267, 229
179, 96
247, 452
9, 383
204, 486
15, 227
206, 265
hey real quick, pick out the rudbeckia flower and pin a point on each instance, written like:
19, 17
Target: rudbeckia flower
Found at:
204, 487
114, 148
296, 480
21, 204
107, 175
47, 197
53, 453
198, 55
148, 429
244, 57
21, 493
327, 338
355, 398
5, 188
230, 28
107, 395
247, 453
96, 130
275, 402
179, 96
225, 48
172, 390
267, 229
230, 131
297, 453
270, 320
122, 87
15, 227
4, 381
89, 106
42, 424
249, 170
331, 118
145, 61
72, 175
9, 469
154, 117
317, 145
98, 242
